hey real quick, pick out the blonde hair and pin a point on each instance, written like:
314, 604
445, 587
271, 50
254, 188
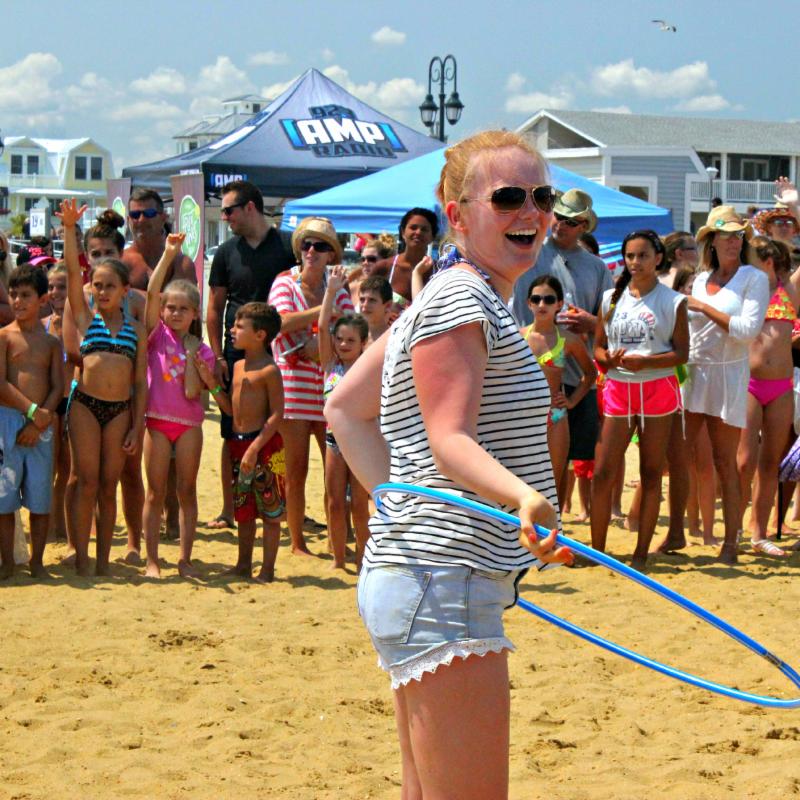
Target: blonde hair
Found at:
184, 287
460, 160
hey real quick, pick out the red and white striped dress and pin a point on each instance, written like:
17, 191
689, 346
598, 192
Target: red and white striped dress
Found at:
302, 379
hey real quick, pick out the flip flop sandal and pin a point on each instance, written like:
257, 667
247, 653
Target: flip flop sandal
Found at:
220, 523
767, 547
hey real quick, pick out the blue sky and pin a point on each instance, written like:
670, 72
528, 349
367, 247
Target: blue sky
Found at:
131, 75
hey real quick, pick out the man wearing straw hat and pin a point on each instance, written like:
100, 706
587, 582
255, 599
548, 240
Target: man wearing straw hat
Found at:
584, 277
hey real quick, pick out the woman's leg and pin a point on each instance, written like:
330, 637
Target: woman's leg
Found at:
724, 445
296, 434
133, 503
359, 508
678, 459
653, 440
777, 420
61, 467
458, 725
706, 483
157, 455
747, 456
188, 450
614, 437
411, 788
336, 473
558, 444
111, 466
81, 500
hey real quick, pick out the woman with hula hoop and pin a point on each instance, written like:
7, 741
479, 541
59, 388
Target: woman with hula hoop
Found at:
436, 578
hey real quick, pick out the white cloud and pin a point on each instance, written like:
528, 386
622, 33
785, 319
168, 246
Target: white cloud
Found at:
146, 109
533, 101
328, 54
92, 91
274, 89
389, 36
162, 80
625, 76
614, 109
515, 82
391, 97
25, 85
223, 78
704, 102
269, 58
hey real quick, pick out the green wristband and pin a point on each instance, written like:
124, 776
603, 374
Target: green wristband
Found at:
32, 409
216, 390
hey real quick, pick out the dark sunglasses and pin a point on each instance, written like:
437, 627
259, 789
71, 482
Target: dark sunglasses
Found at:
370, 259
508, 199
547, 299
148, 213
319, 247
568, 221
226, 211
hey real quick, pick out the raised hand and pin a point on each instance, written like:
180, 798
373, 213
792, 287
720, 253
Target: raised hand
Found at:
786, 192
70, 213
174, 242
337, 278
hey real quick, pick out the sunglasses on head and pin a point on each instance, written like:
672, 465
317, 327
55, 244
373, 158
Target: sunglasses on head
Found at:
370, 259
508, 199
568, 221
148, 213
226, 211
547, 299
319, 247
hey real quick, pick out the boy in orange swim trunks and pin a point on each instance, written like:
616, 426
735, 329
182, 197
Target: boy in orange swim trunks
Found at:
256, 405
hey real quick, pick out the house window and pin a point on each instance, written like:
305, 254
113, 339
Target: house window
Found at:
755, 169
16, 165
3, 197
80, 168
97, 168
55, 204
33, 165
256, 108
30, 202
192, 145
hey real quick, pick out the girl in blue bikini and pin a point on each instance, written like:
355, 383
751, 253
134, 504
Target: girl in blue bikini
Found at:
551, 348
107, 406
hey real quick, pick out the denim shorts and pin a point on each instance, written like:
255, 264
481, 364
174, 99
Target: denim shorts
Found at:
422, 616
26, 473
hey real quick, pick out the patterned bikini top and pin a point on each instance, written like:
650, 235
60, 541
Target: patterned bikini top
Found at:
555, 356
780, 307
98, 339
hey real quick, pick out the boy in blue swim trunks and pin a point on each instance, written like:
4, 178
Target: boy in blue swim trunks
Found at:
31, 386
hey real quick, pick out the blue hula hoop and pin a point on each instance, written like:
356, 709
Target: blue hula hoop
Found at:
622, 569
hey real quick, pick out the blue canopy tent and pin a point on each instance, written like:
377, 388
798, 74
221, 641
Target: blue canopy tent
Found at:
313, 136
376, 202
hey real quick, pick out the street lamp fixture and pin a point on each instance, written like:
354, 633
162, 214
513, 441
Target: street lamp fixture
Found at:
441, 70
712, 173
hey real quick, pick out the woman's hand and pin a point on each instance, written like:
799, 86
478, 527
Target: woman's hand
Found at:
693, 304
130, 445
614, 357
786, 192
70, 213
191, 344
424, 266
536, 510
337, 278
174, 242
559, 400
634, 362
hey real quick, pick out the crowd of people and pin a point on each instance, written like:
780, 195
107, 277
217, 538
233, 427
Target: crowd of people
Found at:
512, 370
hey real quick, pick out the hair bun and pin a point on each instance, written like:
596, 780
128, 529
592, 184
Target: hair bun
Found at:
110, 218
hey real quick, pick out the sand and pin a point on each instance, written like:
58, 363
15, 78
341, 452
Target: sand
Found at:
124, 687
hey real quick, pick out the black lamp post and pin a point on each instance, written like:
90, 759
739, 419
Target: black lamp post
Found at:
443, 71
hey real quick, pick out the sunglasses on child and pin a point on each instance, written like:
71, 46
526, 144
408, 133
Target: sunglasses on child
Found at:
547, 299
508, 199
319, 247
148, 213
370, 259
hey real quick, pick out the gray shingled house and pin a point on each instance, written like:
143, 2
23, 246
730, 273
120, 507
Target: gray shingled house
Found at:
663, 159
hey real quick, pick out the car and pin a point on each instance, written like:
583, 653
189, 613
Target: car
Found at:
211, 252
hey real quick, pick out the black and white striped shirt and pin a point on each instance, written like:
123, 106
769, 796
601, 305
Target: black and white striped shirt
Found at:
512, 427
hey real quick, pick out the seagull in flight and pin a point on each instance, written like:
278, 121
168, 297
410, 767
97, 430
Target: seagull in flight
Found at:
665, 26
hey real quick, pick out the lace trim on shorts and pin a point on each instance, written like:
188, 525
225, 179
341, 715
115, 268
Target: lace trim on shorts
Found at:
443, 655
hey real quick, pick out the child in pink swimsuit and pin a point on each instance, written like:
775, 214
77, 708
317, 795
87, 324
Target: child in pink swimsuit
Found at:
174, 408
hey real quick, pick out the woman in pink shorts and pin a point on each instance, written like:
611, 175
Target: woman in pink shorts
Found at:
642, 335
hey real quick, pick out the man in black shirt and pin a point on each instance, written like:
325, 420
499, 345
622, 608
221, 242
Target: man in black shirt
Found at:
242, 271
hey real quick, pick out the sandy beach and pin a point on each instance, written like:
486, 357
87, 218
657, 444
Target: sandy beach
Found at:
214, 688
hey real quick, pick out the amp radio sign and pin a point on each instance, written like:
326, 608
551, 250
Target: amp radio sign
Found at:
333, 132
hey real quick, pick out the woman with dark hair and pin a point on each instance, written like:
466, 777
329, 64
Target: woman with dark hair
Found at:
642, 335
730, 298
680, 252
770, 396
418, 228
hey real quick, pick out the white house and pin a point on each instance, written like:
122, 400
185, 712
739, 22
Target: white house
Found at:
237, 111
33, 170
663, 159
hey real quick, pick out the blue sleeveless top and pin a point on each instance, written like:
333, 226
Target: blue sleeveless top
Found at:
98, 338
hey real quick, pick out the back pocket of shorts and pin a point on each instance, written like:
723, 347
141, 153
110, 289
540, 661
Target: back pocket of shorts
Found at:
390, 602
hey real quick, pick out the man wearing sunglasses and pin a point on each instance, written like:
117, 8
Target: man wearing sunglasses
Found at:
584, 278
147, 222
242, 271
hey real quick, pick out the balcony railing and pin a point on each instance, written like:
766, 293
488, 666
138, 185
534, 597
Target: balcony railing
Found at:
754, 192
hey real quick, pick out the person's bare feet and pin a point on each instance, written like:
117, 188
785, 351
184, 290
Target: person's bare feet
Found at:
221, 521
339, 565
69, 558
671, 543
729, 554
265, 575
301, 551
617, 513
102, 570
186, 570
153, 570
581, 517
711, 540
39, 572
639, 563
133, 558
238, 572
83, 570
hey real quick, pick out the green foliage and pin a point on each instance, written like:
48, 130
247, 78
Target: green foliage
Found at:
17, 221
